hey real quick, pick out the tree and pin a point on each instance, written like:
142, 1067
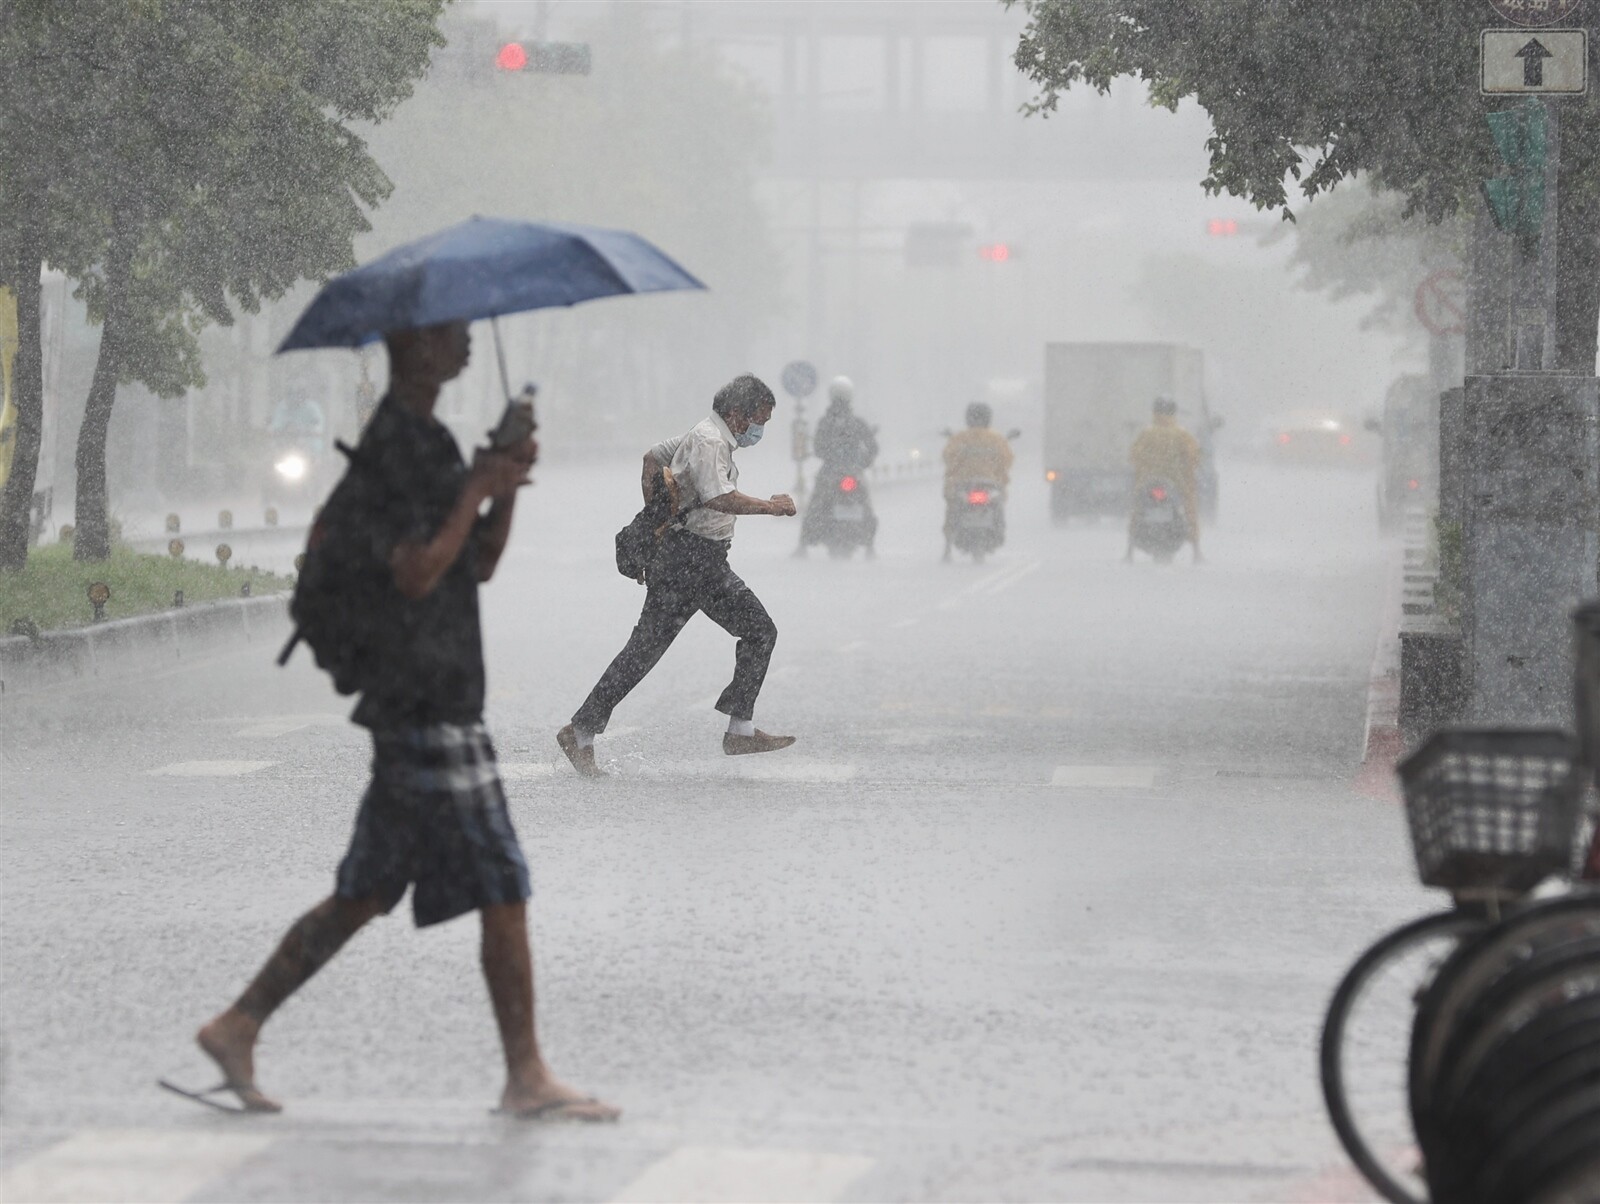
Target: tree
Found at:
1314, 93
202, 158
660, 139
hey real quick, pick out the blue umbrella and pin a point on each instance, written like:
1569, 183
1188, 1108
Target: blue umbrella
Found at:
482, 268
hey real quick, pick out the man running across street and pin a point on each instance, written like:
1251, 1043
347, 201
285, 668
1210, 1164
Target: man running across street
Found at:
435, 816
690, 574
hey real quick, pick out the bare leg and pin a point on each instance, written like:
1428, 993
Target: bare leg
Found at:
230, 1038
531, 1089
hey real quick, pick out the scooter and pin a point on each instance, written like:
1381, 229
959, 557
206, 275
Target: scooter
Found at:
977, 519
839, 516
1160, 526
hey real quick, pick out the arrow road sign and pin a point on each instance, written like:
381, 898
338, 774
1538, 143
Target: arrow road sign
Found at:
1515, 63
1533, 56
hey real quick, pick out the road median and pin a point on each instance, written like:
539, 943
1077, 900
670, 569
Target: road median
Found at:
126, 647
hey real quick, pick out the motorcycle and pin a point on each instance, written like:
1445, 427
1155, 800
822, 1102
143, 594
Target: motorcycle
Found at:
977, 519
1160, 526
839, 515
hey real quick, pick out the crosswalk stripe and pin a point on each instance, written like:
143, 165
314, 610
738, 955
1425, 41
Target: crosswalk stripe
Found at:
211, 769
143, 1165
1105, 777
525, 771
271, 729
776, 768
754, 1176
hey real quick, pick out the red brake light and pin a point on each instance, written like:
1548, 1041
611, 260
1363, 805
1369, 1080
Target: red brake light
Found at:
848, 485
978, 497
1285, 437
512, 57
1159, 494
1413, 483
1344, 440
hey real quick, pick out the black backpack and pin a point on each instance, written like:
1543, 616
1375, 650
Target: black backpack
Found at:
637, 542
345, 599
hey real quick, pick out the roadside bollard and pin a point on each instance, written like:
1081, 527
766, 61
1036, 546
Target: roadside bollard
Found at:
175, 548
99, 595
224, 554
177, 599
225, 520
244, 590
173, 525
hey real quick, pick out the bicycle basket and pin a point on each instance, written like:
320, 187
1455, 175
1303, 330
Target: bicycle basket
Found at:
1492, 809
1586, 683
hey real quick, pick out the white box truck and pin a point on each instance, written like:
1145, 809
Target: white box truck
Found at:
1097, 398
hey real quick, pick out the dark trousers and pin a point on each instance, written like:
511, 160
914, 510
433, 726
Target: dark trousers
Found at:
689, 574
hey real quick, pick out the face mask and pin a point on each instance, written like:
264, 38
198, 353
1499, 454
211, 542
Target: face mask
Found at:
752, 434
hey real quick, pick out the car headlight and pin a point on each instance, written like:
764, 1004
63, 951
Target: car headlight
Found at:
292, 467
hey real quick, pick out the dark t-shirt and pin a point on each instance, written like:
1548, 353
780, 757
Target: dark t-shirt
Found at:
433, 673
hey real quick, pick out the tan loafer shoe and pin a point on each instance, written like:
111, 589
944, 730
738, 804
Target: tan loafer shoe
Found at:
738, 746
582, 758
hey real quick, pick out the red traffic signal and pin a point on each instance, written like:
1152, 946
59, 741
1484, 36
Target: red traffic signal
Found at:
513, 56
1222, 227
995, 252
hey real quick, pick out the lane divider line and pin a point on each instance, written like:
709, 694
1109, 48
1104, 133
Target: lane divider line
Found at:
1105, 777
211, 769
713, 1175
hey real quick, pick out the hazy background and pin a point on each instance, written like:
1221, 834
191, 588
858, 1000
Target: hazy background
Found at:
786, 152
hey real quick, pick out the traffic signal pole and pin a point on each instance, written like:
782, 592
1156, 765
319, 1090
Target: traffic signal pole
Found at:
1527, 442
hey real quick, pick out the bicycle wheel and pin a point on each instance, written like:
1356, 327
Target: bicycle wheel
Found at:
1365, 1040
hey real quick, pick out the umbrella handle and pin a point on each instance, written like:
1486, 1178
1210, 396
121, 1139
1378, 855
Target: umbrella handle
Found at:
500, 356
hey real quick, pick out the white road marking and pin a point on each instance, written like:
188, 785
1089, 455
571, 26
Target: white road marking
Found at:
270, 729
211, 769
282, 725
1105, 777
151, 1166
1019, 573
775, 767
729, 1176
525, 771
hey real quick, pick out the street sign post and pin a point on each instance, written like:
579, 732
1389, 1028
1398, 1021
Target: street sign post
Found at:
1553, 62
799, 382
1441, 304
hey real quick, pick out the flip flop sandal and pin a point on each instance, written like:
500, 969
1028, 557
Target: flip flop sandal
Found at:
208, 1096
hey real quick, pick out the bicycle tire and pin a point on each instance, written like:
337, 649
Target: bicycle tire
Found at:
1474, 969
1335, 1093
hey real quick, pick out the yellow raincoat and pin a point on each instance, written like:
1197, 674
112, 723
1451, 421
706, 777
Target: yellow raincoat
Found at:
976, 454
1165, 451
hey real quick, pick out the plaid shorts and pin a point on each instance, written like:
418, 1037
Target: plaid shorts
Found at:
434, 816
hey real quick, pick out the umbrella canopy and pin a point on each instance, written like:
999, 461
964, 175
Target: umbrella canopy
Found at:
480, 269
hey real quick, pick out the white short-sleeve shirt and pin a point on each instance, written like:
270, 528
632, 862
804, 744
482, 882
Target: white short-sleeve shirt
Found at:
702, 465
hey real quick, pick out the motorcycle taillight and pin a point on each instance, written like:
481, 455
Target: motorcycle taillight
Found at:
978, 497
848, 485
1158, 494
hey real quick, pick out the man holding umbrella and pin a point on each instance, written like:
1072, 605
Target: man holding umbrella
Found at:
435, 818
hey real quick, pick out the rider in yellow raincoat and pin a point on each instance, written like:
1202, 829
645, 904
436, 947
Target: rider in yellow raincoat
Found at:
1165, 451
975, 454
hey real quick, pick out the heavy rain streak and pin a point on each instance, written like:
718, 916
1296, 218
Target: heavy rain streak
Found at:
807, 600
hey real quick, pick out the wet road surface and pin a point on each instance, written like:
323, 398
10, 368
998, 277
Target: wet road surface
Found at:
1045, 903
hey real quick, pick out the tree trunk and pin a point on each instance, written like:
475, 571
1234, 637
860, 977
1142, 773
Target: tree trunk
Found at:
92, 537
27, 393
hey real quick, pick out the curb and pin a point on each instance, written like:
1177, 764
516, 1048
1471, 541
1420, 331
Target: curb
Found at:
1383, 744
137, 645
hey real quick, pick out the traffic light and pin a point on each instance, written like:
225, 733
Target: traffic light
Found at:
1517, 200
997, 252
544, 58
1222, 227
